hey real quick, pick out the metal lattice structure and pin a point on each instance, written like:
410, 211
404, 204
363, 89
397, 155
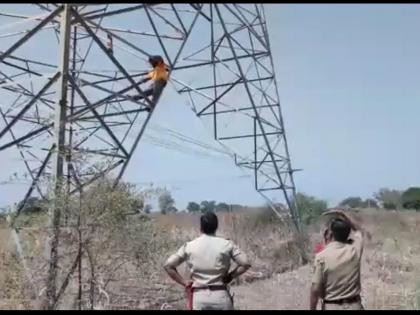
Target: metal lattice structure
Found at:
68, 74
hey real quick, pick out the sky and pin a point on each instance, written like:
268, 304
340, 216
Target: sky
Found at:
348, 78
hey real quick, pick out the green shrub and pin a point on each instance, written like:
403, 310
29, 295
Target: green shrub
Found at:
411, 198
352, 202
310, 208
389, 199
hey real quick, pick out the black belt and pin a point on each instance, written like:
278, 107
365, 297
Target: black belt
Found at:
211, 288
352, 299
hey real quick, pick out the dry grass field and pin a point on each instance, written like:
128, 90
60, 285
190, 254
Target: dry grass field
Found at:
129, 275
390, 276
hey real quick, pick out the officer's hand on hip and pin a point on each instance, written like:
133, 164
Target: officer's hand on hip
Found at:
227, 279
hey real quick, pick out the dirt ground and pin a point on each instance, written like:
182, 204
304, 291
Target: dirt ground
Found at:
287, 291
290, 291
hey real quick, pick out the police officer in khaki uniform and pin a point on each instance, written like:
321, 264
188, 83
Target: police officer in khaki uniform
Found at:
336, 273
208, 258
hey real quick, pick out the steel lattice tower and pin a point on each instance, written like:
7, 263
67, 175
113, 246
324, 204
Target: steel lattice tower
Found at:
66, 94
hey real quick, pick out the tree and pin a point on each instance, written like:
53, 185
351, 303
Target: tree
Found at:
166, 202
352, 202
33, 204
193, 207
370, 203
357, 202
98, 214
389, 198
237, 207
222, 207
208, 206
172, 209
411, 198
310, 207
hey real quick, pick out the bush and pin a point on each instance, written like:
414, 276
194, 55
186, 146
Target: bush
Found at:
269, 240
166, 202
310, 208
193, 207
33, 204
352, 202
411, 198
357, 202
117, 246
264, 217
389, 199
370, 203
222, 207
208, 206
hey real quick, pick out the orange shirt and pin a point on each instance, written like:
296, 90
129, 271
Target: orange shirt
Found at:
160, 72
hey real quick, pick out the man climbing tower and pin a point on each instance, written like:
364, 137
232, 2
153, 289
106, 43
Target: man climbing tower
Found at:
159, 75
109, 44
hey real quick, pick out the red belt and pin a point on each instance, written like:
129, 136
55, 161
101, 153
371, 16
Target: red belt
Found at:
190, 292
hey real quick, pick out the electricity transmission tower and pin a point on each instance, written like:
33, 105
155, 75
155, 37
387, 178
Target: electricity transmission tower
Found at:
68, 73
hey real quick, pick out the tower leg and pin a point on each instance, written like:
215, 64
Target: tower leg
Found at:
58, 157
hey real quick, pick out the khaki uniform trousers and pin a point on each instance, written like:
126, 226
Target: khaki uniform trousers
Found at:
212, 300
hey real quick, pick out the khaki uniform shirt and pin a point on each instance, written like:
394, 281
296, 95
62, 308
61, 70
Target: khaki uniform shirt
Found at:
336, 272
208, 259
